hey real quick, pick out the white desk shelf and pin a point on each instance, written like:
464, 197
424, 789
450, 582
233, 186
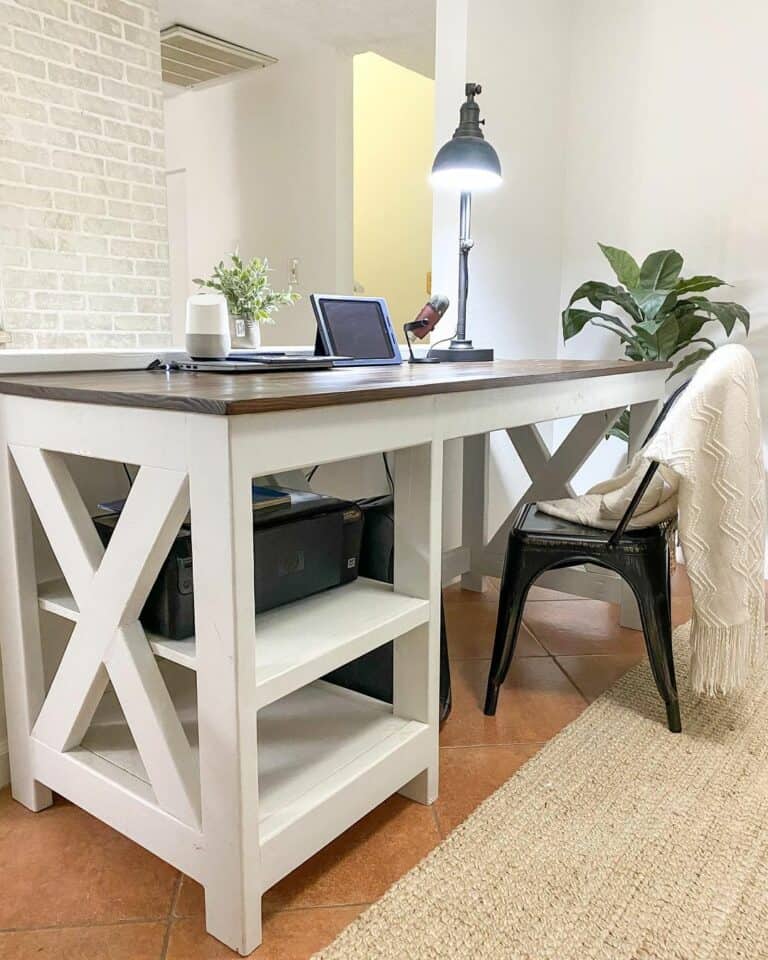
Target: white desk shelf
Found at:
324, 755
299, 642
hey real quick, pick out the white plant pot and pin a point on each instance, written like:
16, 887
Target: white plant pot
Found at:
246, 334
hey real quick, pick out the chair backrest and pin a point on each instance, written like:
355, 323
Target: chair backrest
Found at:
652, 468
667, 406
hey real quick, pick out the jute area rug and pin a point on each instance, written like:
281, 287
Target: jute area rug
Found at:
618, 841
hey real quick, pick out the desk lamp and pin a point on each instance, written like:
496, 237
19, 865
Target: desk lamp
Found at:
466, 163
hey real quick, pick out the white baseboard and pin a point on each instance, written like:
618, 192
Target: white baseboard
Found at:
5, 767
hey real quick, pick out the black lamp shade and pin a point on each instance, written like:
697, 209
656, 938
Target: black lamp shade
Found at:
467, 162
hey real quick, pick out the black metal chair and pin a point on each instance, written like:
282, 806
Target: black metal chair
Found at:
539, 542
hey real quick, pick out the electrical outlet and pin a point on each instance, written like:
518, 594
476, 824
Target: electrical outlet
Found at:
293, 271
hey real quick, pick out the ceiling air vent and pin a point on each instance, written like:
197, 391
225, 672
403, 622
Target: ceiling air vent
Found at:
190, 57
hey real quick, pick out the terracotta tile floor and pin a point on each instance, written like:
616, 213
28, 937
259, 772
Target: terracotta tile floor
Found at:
72, 889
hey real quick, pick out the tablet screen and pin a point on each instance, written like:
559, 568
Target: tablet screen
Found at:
357, 328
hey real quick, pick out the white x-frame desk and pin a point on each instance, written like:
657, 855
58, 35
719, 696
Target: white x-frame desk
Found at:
243, 772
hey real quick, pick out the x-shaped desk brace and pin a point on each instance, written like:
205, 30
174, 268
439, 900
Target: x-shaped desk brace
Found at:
110, 587
550, 475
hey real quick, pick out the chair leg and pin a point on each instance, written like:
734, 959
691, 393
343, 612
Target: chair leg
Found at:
515, 584
653, 598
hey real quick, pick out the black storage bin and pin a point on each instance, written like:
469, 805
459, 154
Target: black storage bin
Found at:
372, 674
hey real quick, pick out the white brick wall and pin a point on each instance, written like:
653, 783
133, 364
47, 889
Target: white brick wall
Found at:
83, 238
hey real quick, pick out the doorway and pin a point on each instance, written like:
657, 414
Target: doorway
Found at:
393, 135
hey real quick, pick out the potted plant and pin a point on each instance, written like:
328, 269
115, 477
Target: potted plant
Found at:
250, 298
662, 313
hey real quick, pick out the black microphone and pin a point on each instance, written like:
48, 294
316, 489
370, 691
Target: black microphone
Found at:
426, 320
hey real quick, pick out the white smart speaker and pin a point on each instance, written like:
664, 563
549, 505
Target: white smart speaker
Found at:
207, 327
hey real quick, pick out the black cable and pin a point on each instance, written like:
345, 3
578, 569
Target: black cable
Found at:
389, 473
391, 482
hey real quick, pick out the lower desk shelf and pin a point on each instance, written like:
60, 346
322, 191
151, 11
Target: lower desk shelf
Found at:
314, 745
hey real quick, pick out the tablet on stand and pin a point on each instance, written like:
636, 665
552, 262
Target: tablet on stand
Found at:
358, 329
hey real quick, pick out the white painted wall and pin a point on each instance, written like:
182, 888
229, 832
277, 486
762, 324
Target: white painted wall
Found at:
518, 51
668, 150
268, 161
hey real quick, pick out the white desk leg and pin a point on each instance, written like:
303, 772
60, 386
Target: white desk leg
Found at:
641, 417
418, 567
19, 623
222, 543
474, 495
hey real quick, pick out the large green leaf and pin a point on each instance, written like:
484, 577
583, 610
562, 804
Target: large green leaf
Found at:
726, 312
624, 265
667, 336
598, 293
738, 311
695, 356
712, 344
620, 333
646, 341
575, 319
693, 284
689, 325
660, 270
634, 351
650, 301
670, 304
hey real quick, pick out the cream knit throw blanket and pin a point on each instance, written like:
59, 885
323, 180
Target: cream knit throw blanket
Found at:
711, 475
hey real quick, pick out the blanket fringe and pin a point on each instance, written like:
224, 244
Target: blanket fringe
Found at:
723, 657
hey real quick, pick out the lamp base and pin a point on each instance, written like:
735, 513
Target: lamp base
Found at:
463, 351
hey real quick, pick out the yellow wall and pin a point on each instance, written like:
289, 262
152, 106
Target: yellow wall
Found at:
393, 152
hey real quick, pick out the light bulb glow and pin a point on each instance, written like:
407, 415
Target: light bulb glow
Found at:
467, 179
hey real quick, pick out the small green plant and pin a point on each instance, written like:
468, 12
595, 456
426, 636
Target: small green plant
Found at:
662, 313
246, 286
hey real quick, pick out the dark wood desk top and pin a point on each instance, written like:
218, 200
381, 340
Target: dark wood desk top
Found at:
229, 394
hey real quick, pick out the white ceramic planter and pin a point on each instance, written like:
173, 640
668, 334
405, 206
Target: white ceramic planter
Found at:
246, 334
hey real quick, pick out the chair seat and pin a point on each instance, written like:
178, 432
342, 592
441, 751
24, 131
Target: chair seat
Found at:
534, 524
539, 543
